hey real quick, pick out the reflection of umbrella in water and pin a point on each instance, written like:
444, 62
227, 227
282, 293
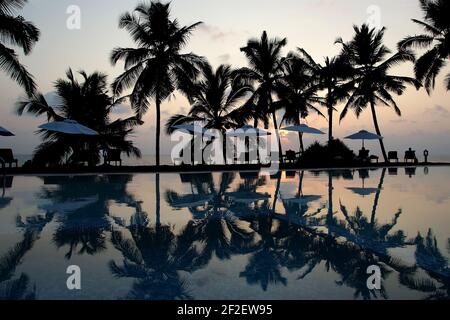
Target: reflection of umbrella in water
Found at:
69, 206
364, 135
4, 202
188, 201
303, 199
248, 197
363, 191
5, 133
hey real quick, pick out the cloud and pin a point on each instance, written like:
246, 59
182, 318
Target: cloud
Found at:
214, 32
438, 111
224, 58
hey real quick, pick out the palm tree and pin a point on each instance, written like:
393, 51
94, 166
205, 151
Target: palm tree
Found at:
216, 100
372, 85
266, 69
331, 78
88, 103
436, 39
18, 32
157, 67
297, 92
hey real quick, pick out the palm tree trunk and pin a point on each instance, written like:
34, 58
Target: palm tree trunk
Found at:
377, 128
300, 137
224, 146
158, 129
275, 124
257, 140
330, 120
158, 200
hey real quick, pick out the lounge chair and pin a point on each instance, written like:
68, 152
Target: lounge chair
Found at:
7, 157
113, 155
410, 155
374, 158
393, 155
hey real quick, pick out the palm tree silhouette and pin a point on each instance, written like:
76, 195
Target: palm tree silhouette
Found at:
297, 92
216, 99
372, 85
435, 38
16, 31
88, 103
330, 77
157, 67
266, 69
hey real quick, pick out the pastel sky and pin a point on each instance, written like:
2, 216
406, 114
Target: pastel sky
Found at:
310, 24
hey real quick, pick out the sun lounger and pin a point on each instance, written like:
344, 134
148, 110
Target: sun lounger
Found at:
410, 155
393, 155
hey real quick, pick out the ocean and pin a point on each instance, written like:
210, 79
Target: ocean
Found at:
146, 160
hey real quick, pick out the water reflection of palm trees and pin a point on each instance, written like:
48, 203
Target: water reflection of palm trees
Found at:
294, 239
19, 287
81, 205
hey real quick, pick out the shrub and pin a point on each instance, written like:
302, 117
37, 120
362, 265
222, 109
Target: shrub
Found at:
335, 153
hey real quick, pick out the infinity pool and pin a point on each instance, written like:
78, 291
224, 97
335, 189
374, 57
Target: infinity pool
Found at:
244, 235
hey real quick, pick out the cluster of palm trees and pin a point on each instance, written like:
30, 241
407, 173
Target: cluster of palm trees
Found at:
225, 98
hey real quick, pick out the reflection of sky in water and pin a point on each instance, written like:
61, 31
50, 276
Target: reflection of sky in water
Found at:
304, 235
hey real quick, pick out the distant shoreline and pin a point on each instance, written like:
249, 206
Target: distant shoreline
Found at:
201, 168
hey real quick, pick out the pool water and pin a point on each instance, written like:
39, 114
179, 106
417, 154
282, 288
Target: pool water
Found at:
243, 235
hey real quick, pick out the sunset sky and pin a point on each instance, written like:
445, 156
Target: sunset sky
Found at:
311, 24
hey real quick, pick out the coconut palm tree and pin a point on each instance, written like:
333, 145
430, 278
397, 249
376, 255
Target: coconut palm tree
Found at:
18, 32
216, 99
297, 92
266, 70
436, 39
372, 84
157, 67
88, 103
330, 77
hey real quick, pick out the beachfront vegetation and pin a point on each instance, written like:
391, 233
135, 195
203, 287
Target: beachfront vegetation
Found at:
156, 68
216, 100
265, 69
18, 32
298, 92
372, 84
88, 103
436, 39
272, 85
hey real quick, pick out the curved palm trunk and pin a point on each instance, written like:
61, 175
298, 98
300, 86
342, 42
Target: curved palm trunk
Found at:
377, 128
277, 191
